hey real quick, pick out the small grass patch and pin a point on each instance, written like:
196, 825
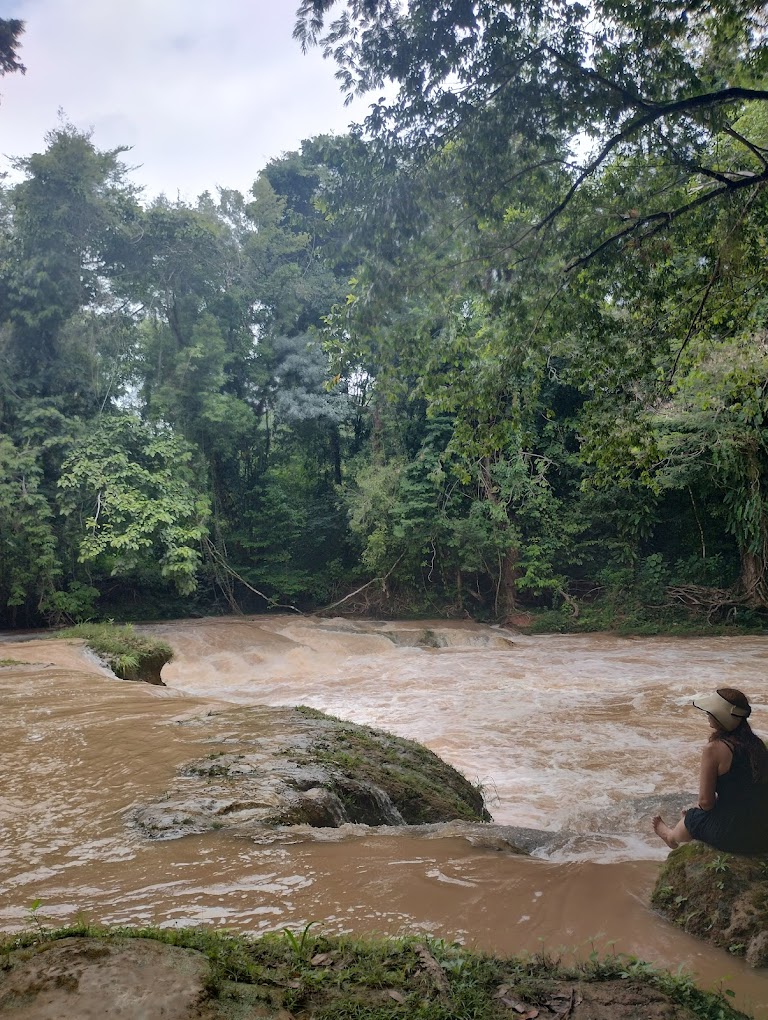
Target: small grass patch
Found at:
310, 975
129, 655
13, 662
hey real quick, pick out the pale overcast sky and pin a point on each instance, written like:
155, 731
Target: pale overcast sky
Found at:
205, 91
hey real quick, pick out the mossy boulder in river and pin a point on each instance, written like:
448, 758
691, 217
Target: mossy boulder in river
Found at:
281, 766
720, 897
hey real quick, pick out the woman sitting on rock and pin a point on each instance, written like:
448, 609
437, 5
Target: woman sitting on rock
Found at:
732, 813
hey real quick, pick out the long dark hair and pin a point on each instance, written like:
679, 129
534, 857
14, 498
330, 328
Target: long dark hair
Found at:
743, 738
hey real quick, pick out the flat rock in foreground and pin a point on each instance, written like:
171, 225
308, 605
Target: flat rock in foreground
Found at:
285, 766
91, 979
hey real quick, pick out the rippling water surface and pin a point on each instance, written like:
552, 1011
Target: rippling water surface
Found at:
581, 734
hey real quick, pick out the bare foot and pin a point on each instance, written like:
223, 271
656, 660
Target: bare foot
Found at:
664, 832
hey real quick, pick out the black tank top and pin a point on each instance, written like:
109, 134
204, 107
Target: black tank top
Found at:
742, 803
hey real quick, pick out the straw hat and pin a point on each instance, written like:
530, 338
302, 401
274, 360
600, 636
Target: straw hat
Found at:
729, 716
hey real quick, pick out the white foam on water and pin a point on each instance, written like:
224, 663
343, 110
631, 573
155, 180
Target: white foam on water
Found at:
549, 726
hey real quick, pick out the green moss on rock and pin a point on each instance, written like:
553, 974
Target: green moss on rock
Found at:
720, 897
421, 786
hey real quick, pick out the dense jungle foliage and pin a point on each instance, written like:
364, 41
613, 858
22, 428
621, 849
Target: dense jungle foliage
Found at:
503, 348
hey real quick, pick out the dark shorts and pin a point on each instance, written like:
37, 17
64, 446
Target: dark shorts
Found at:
730, 833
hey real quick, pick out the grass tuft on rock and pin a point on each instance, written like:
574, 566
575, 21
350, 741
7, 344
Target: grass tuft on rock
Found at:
129, 655
307, 974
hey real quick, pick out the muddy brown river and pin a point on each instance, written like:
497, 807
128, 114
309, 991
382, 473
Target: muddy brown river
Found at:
582, 735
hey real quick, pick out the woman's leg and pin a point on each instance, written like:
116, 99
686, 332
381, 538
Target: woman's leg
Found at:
673, 837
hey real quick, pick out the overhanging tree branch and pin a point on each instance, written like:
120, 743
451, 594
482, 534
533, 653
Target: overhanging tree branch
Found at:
662, 219
691, 104
216, 555
714, 276
756, 150
380, 580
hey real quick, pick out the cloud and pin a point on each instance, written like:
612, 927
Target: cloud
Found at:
205, 93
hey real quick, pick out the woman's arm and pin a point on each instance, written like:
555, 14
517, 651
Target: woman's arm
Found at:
712, 758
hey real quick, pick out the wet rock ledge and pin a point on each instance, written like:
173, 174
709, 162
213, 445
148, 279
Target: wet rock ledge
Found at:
720, 897
292, 766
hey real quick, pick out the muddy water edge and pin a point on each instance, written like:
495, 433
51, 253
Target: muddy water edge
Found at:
576, 734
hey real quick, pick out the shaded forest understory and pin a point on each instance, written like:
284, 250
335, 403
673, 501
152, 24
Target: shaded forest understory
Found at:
503, 351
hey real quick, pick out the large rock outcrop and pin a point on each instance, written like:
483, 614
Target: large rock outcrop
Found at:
720, 897
286, 766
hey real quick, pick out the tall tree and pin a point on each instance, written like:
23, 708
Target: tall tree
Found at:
71, 222
67, 369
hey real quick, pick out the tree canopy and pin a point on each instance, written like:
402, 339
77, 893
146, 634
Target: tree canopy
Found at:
661, 85
503, 349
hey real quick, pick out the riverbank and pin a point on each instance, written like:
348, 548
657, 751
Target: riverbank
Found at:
202, 974
593, 619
